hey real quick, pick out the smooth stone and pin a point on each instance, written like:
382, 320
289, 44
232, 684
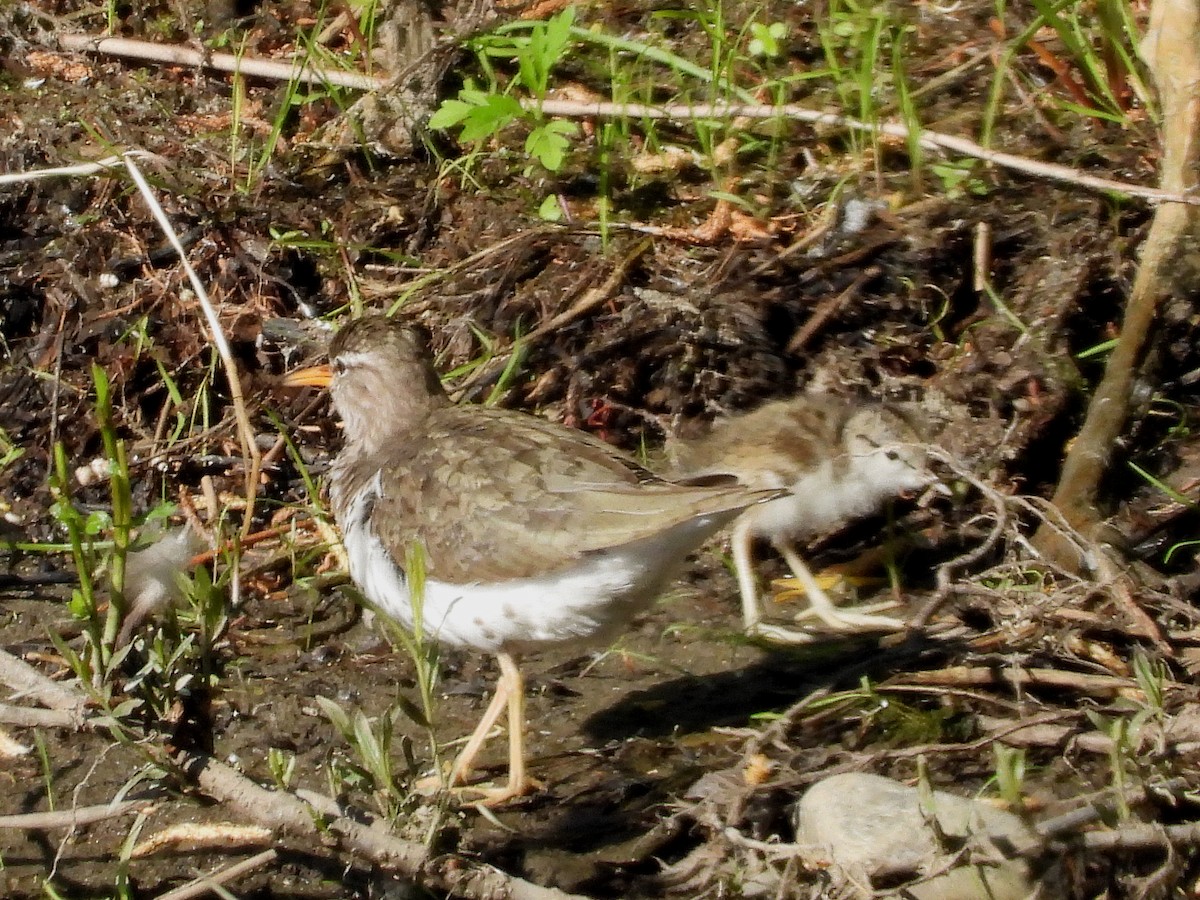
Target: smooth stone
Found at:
867, 826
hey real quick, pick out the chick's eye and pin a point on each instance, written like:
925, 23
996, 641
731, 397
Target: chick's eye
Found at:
339, 367
893, 455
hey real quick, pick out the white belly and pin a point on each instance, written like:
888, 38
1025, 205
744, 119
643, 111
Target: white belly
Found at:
822, 499
588, 602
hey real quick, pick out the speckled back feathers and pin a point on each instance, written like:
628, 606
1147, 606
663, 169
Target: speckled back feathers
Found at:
491, 494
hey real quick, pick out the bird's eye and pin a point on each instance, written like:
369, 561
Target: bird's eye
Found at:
892, 455
339, 367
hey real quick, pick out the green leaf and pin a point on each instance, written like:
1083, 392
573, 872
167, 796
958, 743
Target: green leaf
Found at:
550, 210
78, 605
548, 143
488, 119
366, 741
450, 113
123, 709
479, 113
337, 716
97, 522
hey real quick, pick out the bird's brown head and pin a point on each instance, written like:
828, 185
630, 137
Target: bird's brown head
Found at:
381, 378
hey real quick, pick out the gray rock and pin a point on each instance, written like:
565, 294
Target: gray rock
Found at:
866, 826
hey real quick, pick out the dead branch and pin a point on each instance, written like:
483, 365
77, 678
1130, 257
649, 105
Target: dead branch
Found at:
1142, 836
285, 813
205, 884
591, 298
28, 717
975, 554
27, 681
300, 70
74, 818
930, 140
1171, 49
1022, 678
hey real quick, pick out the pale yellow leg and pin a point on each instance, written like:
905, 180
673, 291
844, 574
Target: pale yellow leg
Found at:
823, 607
519, 783
510, 692
466, 759
741, 546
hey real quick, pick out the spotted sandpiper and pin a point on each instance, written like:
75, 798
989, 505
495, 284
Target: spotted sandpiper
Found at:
534, 535
838, 460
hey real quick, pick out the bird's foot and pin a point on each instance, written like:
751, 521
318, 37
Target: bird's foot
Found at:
853, 620
478, 793
778, 635
836, 623
491, 797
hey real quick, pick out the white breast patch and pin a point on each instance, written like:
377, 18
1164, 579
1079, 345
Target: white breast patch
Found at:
588, 602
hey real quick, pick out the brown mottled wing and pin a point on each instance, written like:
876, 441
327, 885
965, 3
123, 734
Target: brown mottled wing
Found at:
784, 439
494, 495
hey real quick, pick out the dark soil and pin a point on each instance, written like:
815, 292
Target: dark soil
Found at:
656, 751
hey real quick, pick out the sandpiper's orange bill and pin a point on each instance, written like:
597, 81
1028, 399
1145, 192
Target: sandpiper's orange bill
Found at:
313, 376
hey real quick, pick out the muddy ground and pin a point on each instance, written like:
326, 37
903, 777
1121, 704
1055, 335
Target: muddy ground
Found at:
672, 760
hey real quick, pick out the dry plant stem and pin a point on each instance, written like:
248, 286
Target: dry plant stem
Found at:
1168, 265
824, 225
27, 681
299, 70
1142, 836
245, 430
27, 717
828, 309
248, 541
1102, 805
592, 297
972, 556
1021, 678
930, 140
91, 168
1115, 584
285, 813
1120, 586
981, 257
74, 818
207, 884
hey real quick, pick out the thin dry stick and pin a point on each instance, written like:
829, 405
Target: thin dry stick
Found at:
300, 69
828, 309
463, 265
27, 717
211, 883
930, 140
91, 168
1021, 678
1120, 587
1142, 837
283, 812
591, 298
1167, 266
245, 431
74, 818
27, 681
975, 554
